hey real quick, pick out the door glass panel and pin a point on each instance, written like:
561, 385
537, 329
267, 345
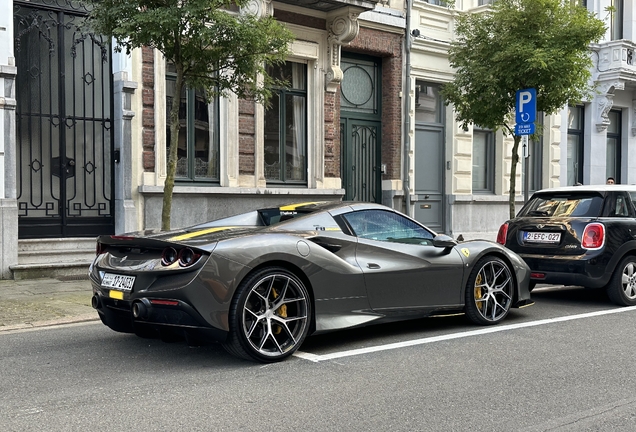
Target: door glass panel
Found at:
428, 103
573, 159
359, 89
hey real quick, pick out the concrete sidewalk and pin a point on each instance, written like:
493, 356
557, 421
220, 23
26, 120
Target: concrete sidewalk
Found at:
44, 302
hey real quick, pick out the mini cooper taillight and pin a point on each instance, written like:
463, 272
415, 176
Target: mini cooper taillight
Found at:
188, 257
169, 256
502, 234
593, 236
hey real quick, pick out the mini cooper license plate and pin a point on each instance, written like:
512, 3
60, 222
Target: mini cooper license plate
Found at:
541, 237
118, 282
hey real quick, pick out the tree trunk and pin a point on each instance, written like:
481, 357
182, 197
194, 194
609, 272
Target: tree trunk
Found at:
513, 175
171, 168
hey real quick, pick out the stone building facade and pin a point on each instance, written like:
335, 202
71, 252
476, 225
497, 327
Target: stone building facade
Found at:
84, 142
586, 143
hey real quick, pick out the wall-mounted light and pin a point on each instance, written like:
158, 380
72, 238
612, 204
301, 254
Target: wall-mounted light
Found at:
417, 34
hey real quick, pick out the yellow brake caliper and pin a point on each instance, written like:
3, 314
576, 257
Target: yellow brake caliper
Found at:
478, 292
281, 311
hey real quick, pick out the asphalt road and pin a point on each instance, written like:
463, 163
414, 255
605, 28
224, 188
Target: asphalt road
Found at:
564, 364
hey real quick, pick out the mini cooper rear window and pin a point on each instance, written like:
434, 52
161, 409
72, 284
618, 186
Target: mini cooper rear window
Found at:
575, 205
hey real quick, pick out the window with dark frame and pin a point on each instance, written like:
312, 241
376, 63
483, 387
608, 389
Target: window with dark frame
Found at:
616, 22
613, 153
576, 115
483, 161
198, 144
286, 127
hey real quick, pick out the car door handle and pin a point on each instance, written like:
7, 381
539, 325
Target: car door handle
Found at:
373, 265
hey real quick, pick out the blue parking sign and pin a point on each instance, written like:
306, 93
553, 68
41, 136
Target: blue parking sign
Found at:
526, 103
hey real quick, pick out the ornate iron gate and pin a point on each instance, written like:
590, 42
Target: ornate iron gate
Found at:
64, 122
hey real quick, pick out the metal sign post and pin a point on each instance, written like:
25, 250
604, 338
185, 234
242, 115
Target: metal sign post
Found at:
526, 167
525, 115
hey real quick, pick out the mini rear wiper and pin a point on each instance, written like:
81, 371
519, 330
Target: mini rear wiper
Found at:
538, 213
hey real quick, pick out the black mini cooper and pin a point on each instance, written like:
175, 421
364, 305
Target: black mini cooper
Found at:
579, 235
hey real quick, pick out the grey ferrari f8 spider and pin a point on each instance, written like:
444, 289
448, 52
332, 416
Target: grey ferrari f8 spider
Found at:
261, 281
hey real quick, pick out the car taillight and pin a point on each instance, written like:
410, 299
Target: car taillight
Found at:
99, 249
593, 236
502, 234
169, 256
187, 257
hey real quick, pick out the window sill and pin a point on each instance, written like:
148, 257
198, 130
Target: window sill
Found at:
482, 198
211, 190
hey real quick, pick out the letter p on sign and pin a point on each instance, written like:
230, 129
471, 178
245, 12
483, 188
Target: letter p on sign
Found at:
526, 106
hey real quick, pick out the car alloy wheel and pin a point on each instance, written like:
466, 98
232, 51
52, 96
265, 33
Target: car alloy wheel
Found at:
622, 287
270, 319
489, 291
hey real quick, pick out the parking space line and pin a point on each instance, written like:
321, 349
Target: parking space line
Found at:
500, 328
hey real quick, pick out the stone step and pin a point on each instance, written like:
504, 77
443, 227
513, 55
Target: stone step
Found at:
56, 244
58, 270
52, 258
51, 251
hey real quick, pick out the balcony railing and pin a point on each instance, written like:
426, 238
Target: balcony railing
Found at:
617, 58
331, 5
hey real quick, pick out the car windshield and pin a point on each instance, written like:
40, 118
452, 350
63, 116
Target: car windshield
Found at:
573, 205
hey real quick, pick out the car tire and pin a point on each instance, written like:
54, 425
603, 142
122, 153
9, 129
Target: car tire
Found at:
622, 286
489, 291
269, 317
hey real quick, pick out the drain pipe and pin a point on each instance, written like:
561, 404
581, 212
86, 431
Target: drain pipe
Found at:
407, 106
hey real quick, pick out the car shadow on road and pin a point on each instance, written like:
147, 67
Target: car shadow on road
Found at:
401, 331
571, 295
176, 355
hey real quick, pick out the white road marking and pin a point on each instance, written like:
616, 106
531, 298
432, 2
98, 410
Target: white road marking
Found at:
500, 328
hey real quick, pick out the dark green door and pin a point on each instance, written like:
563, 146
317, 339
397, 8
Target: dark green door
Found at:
361, 129
361, 160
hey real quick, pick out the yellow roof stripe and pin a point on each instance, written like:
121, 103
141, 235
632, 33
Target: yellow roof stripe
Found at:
293, 207
200, 233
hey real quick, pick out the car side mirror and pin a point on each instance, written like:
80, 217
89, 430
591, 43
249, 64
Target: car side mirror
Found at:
444, 241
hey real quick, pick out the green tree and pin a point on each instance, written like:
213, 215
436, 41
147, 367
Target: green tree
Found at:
211, 44
519, 44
